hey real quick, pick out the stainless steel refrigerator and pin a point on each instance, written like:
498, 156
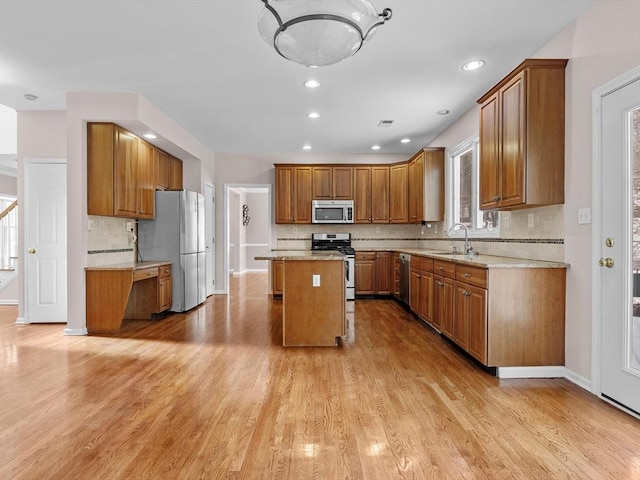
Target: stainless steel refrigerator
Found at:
177, 234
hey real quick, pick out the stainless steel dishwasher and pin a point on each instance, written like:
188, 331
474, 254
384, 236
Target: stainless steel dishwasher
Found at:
405, 269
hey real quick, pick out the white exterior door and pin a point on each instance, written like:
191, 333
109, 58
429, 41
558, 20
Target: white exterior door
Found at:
45, 247
210, 228
618, 246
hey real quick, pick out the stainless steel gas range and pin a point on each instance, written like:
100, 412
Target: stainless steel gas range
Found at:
342, 243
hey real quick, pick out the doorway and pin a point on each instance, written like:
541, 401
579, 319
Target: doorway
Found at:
247, 226
45, 249
617, 242
210, 228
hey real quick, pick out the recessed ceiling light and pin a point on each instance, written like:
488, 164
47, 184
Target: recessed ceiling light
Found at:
312, 84
30, 96
150, 136
473, 65
313, 115
444, 111
405, 140
375, 147
306, 147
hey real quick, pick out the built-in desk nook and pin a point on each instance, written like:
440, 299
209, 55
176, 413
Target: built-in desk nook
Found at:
135, 290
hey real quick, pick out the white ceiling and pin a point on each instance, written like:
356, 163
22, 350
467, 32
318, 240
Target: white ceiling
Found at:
204, 64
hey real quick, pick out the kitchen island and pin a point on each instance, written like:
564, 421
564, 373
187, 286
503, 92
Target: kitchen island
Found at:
313, 303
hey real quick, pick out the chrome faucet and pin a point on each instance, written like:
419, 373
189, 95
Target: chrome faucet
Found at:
468, 249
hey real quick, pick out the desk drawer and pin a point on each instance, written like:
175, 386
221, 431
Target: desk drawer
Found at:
473, 275
422, 263
365, 256
164, 271
145, 273
446, 269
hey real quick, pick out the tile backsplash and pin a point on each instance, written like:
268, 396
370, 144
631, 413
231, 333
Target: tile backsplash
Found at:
108, 241
543, 241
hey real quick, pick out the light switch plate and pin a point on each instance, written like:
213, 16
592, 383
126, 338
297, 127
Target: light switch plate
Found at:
584, 216
506, 218
316, 280
531, 220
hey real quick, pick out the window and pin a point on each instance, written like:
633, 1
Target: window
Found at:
464, 192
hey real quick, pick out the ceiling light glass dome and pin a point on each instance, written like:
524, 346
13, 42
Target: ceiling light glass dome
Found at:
317, 33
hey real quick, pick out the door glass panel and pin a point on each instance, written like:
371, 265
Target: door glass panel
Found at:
634, 135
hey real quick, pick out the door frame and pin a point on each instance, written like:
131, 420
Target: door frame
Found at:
596, 270
211, 223
225, 222
24, 226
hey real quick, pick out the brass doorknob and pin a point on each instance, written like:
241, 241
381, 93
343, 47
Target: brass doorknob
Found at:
31, 251
606, 262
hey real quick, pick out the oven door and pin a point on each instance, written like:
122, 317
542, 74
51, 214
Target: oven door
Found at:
350, 277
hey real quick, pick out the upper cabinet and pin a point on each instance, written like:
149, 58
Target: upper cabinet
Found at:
121, 173
169, 172
332, 182
426, 186
371, 199
522, 137
293, 194
399, 193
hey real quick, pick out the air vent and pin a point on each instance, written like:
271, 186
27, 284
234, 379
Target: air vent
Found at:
385, 123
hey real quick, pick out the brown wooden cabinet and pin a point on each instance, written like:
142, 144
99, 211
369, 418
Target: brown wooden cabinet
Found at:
426, 186
332, 182
277, 277
398, 193
371, 194
293, 194
121, 173
165, 288
383, 273
522, 137
169, 172
444, 274
470, 320
421, 287
366, 273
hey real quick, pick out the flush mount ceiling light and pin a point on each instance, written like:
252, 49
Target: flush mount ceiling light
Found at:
31, 97
405, 140
319, 32
313, 115
312, 84
150, 136
306, 147
375, 147
473, 65
444, 111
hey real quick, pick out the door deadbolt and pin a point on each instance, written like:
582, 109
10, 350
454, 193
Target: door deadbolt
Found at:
606, 262
609, 242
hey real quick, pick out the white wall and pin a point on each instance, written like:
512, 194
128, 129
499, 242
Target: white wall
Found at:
8, 185
601, 44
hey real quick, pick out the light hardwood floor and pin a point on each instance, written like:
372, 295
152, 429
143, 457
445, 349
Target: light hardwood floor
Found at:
211, 394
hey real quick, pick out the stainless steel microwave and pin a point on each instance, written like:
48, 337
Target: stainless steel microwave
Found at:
332, 211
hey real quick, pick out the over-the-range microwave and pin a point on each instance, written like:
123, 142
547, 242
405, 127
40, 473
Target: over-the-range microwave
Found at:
332, 211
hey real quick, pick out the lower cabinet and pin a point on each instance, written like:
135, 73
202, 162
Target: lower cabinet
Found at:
165, 288
421, 287
443, 305
366, 273
383, 273
277, 277
470, 320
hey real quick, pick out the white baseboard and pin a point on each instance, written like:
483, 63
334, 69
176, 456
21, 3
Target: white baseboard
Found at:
531, 372
71, 332
249, 270
22, 321
9, 302
579, 380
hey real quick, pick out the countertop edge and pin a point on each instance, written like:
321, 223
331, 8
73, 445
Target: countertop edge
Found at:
129, 265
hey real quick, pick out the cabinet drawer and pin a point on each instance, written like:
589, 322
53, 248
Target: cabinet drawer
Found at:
145, 273
446, 269
365, 256
473, 275
422, 263
164, 271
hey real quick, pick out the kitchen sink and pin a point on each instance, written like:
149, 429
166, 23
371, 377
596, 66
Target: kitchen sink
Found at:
457, 254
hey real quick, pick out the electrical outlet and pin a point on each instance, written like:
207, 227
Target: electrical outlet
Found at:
316, 280
91, 225
295, 229
506, 218
377, 229
584, 216
129, 227
531, 220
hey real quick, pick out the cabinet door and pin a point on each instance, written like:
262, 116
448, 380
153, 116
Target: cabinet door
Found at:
277, 279
302, 195
146, 176
322, 185
379, 194
512, 113
342, 179
383, 273
447, 306
164, 170
284, 194
433, 194
414, 290
398, 194
365, 277
489, 154
461, 314
126, 163
165, 293
362, 198
426, 294
416, 188
477, 299
175, 179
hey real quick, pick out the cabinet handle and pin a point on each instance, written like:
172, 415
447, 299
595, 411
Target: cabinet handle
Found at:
466, 275
497, 198
441, 268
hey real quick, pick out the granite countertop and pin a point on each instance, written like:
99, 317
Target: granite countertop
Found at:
130, 265
302, 255
485, 261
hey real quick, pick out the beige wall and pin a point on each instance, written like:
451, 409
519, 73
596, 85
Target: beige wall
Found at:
8, 185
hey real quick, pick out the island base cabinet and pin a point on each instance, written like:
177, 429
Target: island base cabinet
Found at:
314, 303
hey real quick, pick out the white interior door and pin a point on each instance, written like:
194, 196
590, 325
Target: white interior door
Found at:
619, 244
210, 228
46, 242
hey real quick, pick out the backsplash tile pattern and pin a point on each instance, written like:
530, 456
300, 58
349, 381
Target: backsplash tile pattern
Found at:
544, 241
109, 243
